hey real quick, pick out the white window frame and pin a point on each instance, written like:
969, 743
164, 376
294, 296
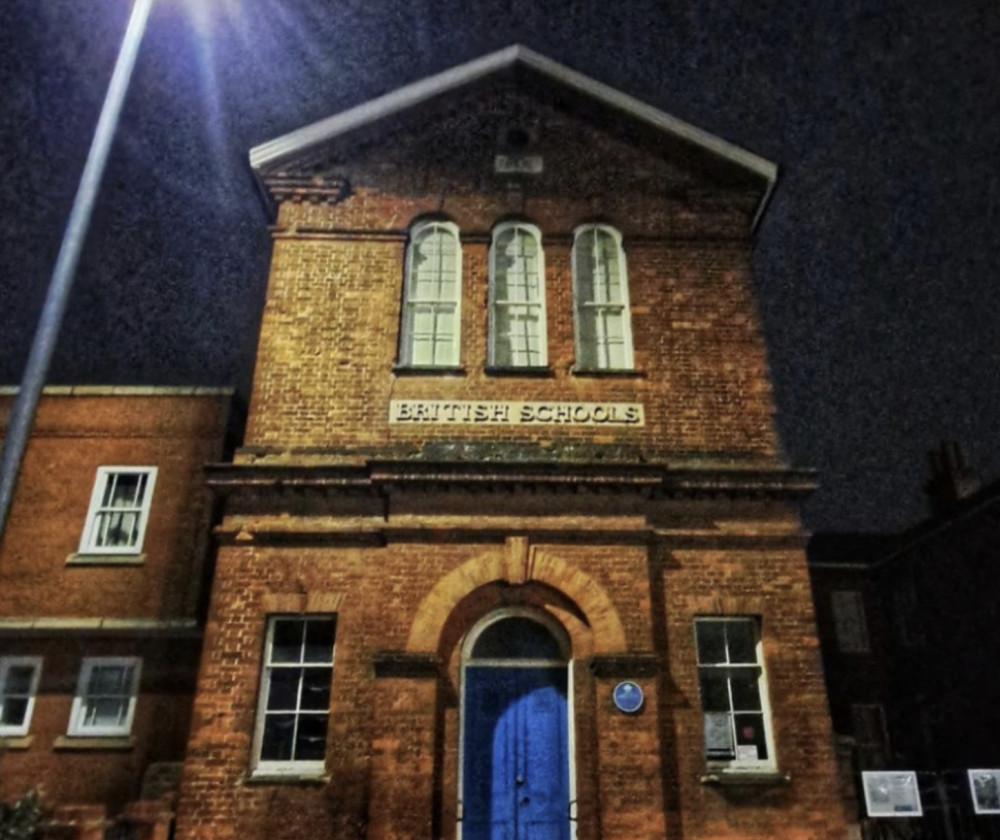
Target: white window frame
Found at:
579, 305
6, 663
78, 725
760, 765
438, 305
291, 767
91, 531
495, 305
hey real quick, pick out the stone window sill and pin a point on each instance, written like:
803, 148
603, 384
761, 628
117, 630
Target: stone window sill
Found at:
745, 778
619, 373
288, 779
76, 742
543, 372
15, 742
78, 559
428, 370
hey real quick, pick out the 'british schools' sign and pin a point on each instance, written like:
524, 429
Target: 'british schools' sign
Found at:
482, 413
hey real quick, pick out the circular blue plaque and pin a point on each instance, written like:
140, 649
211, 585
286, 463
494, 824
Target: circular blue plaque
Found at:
628, 697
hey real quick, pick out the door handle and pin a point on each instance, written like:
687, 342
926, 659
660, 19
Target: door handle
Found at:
519, 780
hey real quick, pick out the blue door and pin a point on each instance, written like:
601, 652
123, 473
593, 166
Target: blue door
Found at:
515, 783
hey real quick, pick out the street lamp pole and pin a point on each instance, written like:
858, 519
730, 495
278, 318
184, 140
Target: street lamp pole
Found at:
47, 333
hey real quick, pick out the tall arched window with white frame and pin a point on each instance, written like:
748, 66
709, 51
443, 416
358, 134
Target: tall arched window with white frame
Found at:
517, 297
600, 300
430, 333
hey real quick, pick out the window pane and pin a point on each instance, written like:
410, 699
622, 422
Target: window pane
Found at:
516, 275
117, 529
434, 265
850, 628
718, 729
742, 645
746, 694
19, 679
319, 640
516, 638
124, 490
585, 267
279, 734
108, 711
283, 693
431, 304
109, 679
614, 339
287, 640
518, 342
711, 642
714, 693
310, 744
315, 688
587, 325
750, 731
607, 284
13, 711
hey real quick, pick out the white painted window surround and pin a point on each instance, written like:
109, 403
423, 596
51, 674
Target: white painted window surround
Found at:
600, 300
430, 332
517, 297
734, 698
294, 706
106, 696
19, 677
119, 510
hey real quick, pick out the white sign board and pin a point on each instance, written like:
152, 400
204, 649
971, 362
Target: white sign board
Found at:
892, 793
482, 413
519, 164
985, 788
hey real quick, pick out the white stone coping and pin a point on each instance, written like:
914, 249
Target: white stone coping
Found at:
75, 624
123, 391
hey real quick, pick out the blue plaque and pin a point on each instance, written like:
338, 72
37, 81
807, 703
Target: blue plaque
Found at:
628, 697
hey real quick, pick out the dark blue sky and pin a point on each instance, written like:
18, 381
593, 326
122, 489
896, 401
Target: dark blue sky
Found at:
877, 261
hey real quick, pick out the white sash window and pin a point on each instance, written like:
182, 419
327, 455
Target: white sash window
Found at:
119, 510
517, 297
432, 295
600, 300
734, 701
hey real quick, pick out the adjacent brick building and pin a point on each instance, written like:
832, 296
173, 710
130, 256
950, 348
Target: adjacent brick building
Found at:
510, 548
102, 583
907, 624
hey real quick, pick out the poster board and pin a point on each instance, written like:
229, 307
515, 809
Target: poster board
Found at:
984, 785
892, 793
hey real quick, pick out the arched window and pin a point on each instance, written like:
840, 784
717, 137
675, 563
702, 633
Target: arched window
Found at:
600, 300
517, 297
431, 298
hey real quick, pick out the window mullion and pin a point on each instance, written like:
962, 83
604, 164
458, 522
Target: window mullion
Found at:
298, 712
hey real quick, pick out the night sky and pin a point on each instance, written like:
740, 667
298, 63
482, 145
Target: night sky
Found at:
876, 263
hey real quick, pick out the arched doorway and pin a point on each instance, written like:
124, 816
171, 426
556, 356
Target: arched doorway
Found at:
515, 777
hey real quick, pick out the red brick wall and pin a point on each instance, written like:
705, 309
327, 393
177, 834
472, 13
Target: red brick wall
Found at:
329, 335
81, 770
329, 338
72, 437
76, 431
392, 752
408, 570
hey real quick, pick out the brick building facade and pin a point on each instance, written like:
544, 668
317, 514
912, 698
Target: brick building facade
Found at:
102, 583
906, 623
510, 548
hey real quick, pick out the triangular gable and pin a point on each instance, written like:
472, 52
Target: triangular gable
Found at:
744, 165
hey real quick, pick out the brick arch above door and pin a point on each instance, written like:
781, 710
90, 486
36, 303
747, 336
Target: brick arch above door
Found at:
517, 562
